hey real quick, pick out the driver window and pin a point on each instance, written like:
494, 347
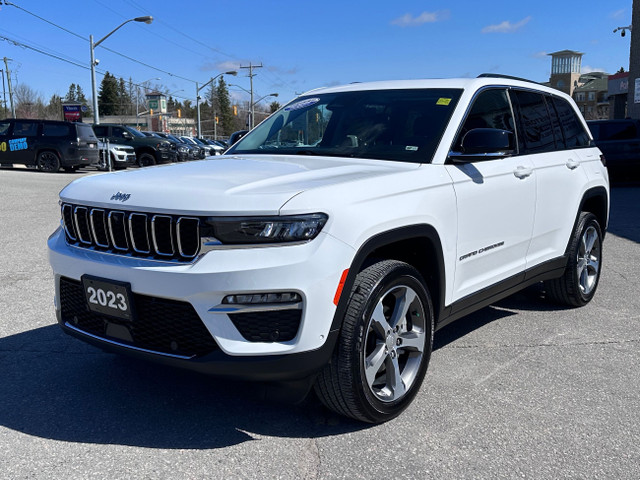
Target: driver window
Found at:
491, 109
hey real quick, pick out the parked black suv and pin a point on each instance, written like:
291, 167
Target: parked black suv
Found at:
619, 141
149, 150
47, 144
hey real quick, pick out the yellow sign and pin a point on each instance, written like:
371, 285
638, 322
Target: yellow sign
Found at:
443, 101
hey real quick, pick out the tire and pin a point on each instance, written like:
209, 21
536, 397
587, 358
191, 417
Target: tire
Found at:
48, 161
577, 285
377, 337
146, 160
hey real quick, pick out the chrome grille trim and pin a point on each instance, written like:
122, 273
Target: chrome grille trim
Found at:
136, 241
97, 235
161, 237
179, 235
81, 217
121, 231
67, 221
155, 220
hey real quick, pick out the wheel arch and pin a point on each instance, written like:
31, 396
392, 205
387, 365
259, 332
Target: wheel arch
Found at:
417, 245
596, 201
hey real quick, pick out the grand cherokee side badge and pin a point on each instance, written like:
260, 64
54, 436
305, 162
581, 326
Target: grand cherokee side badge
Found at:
122, 197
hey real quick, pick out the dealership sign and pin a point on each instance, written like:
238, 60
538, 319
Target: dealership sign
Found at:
72, 113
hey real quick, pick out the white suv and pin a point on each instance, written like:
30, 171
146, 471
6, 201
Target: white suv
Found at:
327, 246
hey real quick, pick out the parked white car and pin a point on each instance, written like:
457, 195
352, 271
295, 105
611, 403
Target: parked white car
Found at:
114, 156
331, 242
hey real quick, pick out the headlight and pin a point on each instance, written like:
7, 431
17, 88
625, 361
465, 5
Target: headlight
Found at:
259, 230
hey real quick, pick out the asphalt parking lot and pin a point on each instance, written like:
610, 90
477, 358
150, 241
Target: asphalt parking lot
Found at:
521, 389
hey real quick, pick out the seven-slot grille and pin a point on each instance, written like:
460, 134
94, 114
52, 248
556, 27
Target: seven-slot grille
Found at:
158, 236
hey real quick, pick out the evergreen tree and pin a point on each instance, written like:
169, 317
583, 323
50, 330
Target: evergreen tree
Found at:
71, 94
273, 106
224, 112
53, 111
124, 100
108, 96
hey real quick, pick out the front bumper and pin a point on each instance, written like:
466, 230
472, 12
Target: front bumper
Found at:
202, 285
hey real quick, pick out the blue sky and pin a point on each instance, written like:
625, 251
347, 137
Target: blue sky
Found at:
304, 45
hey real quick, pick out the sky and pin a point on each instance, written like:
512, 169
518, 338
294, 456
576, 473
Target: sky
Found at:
302, 45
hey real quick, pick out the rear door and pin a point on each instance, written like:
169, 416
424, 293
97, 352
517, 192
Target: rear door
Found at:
552, 136
495, 202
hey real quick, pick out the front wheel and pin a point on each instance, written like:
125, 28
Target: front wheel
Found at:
384, 347
48, 162
146, 160
577, 285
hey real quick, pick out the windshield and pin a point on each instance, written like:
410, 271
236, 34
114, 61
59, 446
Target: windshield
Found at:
401, 125
135, 132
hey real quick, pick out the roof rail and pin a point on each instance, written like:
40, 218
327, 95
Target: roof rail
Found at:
499, 75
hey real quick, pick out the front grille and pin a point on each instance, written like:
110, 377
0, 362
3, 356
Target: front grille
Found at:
272, 326
160, 325
165, 237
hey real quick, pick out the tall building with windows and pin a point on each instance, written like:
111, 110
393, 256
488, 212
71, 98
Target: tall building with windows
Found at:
565, 70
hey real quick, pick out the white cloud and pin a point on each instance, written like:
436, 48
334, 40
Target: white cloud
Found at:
618, 13
506, 26
541, 54
589, 69
408, 20
220, 66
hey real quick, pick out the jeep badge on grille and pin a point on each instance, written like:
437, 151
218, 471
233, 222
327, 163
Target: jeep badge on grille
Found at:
122, 197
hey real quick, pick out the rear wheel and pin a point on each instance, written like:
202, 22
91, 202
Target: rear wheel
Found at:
579, 282
384, 346
48, 162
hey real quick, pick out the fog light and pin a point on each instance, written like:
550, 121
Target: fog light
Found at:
262, 298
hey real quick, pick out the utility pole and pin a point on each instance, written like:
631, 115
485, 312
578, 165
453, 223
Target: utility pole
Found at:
4, 96
6, 66
633, 97
251, 75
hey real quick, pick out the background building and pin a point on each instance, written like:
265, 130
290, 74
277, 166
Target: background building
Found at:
565, 70
591, 94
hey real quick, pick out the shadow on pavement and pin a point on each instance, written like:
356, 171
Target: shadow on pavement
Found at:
56, 387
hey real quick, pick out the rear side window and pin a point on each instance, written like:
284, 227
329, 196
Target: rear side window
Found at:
536, 128
4, 128
25, 129
101, 131
55, 130
574, 132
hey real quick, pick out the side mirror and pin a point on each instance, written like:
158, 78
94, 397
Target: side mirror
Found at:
484, 144
127, 135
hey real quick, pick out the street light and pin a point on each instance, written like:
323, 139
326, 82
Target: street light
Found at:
230, 72
96, 117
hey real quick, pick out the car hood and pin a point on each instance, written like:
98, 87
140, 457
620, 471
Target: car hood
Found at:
228, 185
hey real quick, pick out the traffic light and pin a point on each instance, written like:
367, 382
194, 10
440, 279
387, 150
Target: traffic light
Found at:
151, 112
179, 113
235, 110
217, 120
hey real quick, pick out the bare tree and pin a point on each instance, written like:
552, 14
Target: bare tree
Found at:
29, 103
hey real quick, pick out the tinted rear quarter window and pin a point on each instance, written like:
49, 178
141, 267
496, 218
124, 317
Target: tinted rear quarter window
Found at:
536, 128
85, 131
55, 130
25, 129
574, 133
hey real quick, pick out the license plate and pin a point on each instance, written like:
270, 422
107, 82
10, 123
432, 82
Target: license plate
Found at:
108, 297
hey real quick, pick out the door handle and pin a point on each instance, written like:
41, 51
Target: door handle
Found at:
522, 172
572, 164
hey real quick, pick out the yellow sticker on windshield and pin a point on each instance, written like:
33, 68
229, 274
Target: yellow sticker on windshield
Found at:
443, 101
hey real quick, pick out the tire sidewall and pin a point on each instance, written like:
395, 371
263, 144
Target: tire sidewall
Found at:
146, 160
586, 220
400, 274
55, 167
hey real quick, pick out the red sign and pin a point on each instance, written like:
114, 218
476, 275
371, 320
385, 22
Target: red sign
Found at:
72, 113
